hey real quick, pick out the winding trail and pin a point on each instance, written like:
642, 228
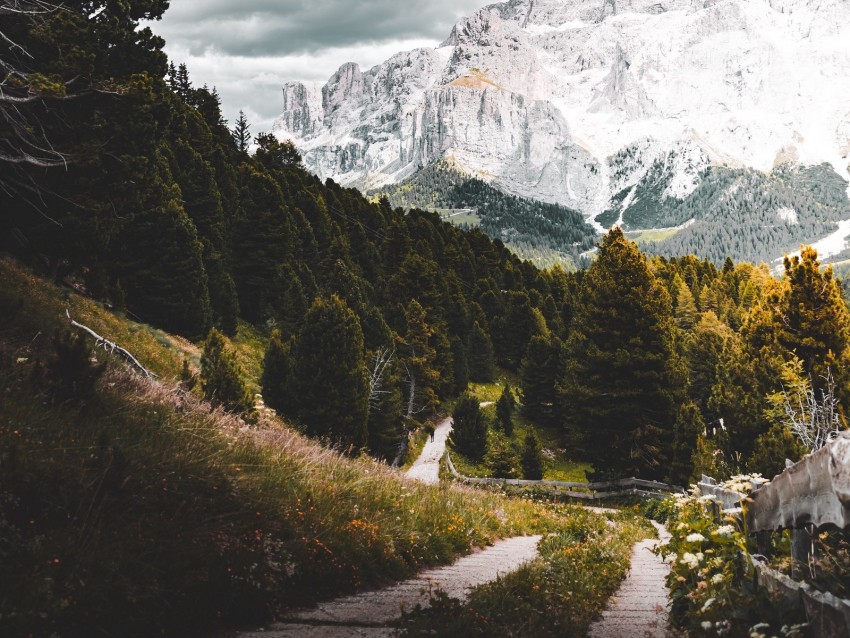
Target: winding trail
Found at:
427, 467
639, 608
372, 614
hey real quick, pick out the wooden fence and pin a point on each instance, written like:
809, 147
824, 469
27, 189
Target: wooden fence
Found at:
585, 491
806, 498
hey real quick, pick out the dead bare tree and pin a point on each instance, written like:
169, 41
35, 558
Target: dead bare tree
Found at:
24, 140
381, 360
812, 414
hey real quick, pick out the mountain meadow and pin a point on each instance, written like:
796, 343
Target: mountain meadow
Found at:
294, 342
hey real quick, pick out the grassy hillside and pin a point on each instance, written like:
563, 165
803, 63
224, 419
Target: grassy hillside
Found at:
129, 507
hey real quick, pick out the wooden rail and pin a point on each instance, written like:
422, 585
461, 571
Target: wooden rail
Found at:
806, 497
586, 491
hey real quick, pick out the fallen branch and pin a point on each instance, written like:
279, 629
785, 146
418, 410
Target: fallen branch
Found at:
111, 347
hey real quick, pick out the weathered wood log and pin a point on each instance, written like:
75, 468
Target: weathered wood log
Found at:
111, 347
815, 490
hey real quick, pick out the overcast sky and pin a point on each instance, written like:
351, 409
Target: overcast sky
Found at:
249, 49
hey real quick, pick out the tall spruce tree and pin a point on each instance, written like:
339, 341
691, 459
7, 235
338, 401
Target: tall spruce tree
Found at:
814, 322
505, 411
242, 133
480, 357
221, 378
531, 458
469, 429
330, 382
537, 378
621, 380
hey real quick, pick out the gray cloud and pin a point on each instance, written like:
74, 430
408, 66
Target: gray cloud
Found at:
278, 28
249, 49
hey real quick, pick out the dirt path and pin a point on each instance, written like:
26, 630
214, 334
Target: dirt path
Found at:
427, 467
372, 614
639, 608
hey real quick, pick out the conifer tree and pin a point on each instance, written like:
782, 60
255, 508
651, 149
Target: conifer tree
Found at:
419, 357
276, 381
537, 378
688, 426
621, 380
480, 357
262, 240
330, 382
501, 457
242, 133
221, 379
814, 323
159, 261
469, 428
532, 457
505, 409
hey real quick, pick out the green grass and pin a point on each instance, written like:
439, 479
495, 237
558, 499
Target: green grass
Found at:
559, 594
42, 311
644, 236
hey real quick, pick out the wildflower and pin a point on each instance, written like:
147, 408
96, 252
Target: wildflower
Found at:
717, 579
696, 537
706, 625
708, 603
724, 531
690, 560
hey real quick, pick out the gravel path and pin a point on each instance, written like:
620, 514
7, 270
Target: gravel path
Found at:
427, 467
372, 614
639, 608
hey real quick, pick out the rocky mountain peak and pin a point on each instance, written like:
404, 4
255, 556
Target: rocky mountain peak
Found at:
539, 97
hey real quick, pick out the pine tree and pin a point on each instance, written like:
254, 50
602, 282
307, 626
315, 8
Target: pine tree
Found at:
262, 241
331, 386
480, 357
532, 457
814, 323
772, 449
686, 308
419, 358
469, 427
688, 426
621, 380
242, 133
221, 378
504, 411
537, 378
160, 262
276, 381
501, 457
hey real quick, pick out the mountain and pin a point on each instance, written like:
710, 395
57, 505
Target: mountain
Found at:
603, 107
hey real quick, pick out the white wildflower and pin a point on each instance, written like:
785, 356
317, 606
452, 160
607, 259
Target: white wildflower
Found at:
706, 625
690, 560
717, 579
696, 537
724, 531
708, 603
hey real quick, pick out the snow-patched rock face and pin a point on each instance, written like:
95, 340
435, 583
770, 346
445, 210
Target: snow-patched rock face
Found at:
542, 96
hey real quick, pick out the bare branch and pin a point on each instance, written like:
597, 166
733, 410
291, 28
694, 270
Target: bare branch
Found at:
111, 347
